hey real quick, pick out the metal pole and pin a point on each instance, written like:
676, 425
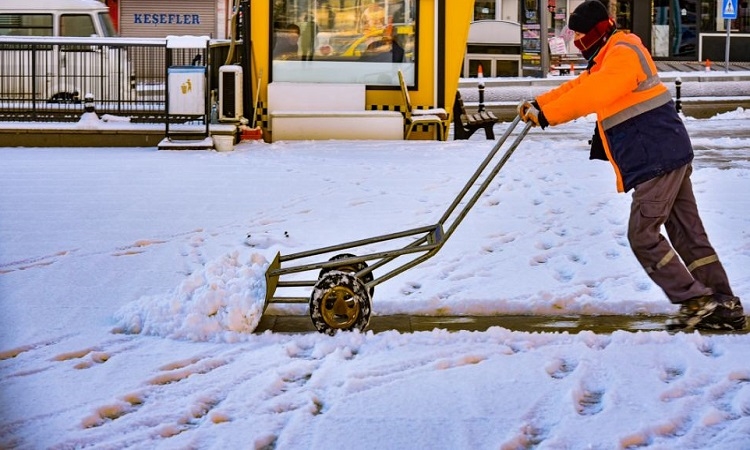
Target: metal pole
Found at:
247, 61
726, 51
543, 35
480, 86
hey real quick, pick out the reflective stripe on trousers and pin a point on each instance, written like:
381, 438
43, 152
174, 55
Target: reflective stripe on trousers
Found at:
669, 200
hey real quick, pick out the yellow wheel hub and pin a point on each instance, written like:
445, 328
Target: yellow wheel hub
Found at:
340, 309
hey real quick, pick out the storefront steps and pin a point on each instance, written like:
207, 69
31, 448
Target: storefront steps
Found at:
115, 134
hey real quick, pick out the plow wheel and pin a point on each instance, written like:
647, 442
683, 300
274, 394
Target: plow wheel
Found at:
339, 301
353, 268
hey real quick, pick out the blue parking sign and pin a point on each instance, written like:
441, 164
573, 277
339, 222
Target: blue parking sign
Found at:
729, 9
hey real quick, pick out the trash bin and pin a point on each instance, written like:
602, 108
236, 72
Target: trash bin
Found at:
187, 90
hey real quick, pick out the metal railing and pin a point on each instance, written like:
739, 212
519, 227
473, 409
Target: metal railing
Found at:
46, 79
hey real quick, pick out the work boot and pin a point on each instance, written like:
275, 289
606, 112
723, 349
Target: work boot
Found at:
692, 312
729, 315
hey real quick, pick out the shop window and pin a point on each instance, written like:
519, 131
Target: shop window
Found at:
675, 28
344, 41
742, 23
625, 15
484, 10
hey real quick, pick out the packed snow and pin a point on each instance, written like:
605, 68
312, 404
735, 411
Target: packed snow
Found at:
132, 280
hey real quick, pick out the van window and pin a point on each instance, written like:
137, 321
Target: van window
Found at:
77, 25
25, 24
105, 21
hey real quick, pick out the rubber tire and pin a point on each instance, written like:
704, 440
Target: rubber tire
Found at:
360, 266
333, 288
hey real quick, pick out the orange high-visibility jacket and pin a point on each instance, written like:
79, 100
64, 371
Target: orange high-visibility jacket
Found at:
642, 133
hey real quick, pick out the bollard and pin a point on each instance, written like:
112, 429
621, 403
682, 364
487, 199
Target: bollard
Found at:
677, 87
480, 86
88, 103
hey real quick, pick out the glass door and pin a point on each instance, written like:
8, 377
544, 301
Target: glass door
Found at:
675, 29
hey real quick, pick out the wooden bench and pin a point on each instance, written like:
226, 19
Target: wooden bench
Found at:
421, 117
315, 111
465, 124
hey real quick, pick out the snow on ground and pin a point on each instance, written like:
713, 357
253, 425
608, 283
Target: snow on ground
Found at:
129, 290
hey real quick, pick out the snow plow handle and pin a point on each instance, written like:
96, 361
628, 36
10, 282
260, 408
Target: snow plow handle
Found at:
488, 177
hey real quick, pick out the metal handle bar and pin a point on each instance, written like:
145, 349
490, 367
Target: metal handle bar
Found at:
489, 178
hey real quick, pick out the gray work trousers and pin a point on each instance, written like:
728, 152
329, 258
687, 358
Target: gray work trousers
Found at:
669, 200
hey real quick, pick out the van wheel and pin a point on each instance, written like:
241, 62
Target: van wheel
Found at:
66, 97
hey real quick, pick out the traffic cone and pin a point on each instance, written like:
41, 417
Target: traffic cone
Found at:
572, 69
708, 65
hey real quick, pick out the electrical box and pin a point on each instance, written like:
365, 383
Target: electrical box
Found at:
230, 93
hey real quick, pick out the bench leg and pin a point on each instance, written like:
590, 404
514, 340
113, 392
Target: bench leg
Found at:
459, 132
489, 131
463, 133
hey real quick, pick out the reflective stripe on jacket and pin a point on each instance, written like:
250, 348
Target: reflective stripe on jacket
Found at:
642, 134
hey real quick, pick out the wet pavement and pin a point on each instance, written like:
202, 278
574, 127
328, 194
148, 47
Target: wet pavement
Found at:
528, 323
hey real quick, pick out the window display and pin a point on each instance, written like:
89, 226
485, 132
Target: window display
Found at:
345, 41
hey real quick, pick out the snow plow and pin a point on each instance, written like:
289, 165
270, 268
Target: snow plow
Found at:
343, 282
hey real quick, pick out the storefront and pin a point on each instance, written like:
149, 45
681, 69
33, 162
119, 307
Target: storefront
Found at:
364, 42
688, 30
161, 18
691, 30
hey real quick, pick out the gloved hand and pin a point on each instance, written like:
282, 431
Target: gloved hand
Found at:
530, 111
522, 108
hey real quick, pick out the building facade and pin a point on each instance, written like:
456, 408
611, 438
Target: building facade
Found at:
161, 18
688, 30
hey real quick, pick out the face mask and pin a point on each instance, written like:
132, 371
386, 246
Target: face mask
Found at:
590, 43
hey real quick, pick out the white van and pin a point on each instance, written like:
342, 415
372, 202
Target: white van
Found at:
64, 69
59, 18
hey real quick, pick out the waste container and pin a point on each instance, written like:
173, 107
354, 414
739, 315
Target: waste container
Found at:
187, 90
186, 97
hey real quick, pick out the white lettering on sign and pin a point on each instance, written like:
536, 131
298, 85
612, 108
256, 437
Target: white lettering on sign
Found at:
166, 19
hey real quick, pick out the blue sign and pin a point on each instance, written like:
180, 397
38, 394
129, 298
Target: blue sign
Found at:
729, 9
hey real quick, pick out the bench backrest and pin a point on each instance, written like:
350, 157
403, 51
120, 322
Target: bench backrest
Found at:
458, 106
404, 93
288, 96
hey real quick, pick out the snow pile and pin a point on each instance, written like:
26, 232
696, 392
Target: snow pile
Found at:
222, 303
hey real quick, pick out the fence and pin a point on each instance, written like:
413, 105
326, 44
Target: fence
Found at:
46, 79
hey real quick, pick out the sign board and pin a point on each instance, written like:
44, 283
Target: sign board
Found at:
531, 40
729, 9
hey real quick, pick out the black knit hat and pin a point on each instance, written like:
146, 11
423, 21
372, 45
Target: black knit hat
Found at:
585, 17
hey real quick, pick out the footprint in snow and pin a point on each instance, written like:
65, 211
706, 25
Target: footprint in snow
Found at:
671, 373
588, 401
411, 287
560, 368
